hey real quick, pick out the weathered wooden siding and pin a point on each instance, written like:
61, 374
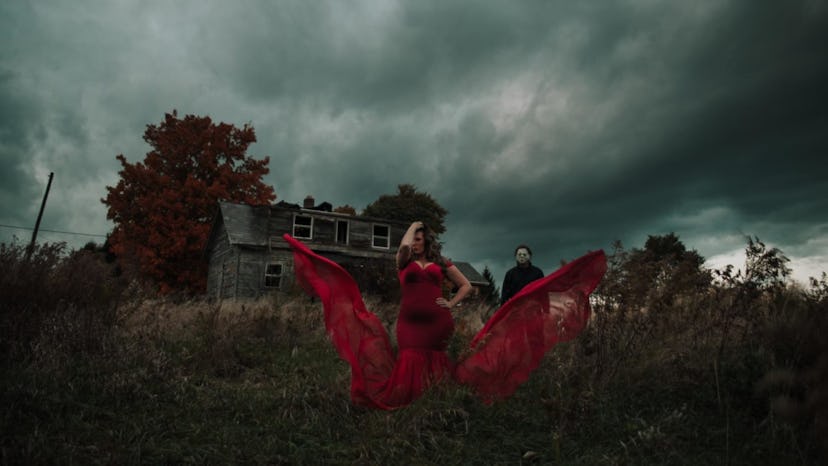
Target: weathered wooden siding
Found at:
324, 229
227, 282
284, 257
238, 258
360, 231
219, 251
250, 278
244, 272
280, 222
360, 235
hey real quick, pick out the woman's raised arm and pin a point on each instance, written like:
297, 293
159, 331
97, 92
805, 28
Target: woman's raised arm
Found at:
404, 251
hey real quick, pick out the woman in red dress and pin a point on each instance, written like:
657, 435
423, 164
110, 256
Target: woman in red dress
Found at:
502, 355
425, 323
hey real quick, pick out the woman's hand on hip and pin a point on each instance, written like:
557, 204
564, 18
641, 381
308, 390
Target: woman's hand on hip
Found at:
443, 302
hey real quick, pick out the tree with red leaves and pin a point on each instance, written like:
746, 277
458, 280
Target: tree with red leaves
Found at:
163, 208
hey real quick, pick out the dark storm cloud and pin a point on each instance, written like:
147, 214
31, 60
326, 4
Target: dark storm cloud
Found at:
15, 116
732, 116
566, 125
378, 56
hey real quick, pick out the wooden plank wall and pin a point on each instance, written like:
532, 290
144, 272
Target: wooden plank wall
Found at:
237, 271
219, 253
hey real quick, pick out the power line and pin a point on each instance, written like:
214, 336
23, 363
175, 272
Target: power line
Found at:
54, 231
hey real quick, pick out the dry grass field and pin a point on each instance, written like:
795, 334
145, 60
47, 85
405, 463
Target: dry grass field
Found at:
97, 370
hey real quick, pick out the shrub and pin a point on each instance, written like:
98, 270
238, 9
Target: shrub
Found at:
72, 301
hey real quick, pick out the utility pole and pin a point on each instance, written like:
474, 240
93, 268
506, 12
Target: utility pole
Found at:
40, 214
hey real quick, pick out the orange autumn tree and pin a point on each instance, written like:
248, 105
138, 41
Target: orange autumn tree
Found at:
163, 208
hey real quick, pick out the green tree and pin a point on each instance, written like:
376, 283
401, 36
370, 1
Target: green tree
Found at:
345, 209
163, 208
409, 205
766, 268
663, 270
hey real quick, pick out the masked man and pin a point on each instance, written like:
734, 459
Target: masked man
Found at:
521, 274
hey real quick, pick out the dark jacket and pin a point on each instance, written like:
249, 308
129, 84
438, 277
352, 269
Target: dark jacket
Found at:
516, 278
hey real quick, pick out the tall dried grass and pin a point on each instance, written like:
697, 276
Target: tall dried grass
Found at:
707, 373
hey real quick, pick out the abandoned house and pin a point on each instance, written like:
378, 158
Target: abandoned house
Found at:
248, 258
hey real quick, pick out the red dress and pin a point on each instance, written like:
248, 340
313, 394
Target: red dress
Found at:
501, 357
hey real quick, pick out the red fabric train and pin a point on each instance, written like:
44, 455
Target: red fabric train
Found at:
501, 356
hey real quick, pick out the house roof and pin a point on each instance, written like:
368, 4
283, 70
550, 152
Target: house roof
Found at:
471, 273
245, 224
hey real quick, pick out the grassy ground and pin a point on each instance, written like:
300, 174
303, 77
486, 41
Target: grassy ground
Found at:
94, 370
193, 383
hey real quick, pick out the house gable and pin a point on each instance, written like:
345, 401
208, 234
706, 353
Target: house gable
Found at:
474, 277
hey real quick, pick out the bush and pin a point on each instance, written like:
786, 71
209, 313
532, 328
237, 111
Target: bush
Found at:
667, 372
53, 299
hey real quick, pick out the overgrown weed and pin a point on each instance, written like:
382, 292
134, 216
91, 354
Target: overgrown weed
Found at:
99, 370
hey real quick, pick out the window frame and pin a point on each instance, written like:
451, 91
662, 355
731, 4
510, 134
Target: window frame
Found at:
278, 276
309, 227
347, 232
374, 235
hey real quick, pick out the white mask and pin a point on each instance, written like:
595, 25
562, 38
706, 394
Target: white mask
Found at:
522, 256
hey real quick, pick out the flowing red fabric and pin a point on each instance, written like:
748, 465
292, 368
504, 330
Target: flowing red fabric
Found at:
545, 312
501, 356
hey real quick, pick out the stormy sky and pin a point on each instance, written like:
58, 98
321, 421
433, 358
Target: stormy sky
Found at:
564, 125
